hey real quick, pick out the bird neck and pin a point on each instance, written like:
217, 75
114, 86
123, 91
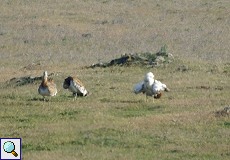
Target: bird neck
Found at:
151, 81
44, 81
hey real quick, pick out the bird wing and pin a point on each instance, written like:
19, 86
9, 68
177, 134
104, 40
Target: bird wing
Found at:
139, 87
51, 86
158, 86
77, 81
80, 89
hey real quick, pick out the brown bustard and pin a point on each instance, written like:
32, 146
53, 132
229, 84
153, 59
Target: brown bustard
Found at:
47, 87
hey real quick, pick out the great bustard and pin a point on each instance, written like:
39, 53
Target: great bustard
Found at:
150, 87
47, 87
74, 85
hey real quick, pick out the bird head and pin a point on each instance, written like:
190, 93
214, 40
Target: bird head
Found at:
45, 74
66, 82
149, 77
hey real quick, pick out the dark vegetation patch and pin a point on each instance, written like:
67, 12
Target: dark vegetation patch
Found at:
26, 80
227, 124
227, 68
37, 147
136, 111
183, 68
143, 59
109, 100
204, 87
70, 114
223, 112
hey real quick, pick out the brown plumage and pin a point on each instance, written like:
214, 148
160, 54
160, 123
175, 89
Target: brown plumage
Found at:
74, 85
158, 95
47, 87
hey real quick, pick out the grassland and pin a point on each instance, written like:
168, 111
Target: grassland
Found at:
62, 36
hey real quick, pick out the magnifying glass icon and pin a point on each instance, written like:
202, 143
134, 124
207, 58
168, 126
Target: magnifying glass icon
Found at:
9, 147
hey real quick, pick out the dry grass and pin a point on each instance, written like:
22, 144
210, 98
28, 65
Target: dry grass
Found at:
113, 123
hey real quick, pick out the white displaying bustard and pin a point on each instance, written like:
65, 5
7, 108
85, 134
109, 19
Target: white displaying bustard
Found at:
47, 87
74, 85
150, 87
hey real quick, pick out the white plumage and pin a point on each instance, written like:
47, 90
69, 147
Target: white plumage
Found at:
158, 86
139, 87
150, 87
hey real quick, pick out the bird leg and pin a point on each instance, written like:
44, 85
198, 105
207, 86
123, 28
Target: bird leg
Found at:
75, 96
146, 98
50, 98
